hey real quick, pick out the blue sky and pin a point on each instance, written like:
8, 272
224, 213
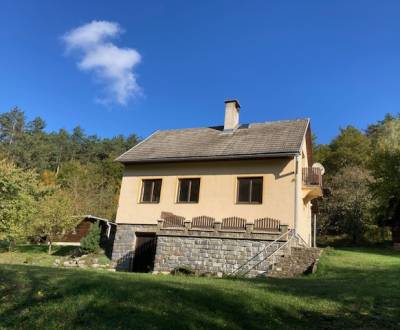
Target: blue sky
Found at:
337, 62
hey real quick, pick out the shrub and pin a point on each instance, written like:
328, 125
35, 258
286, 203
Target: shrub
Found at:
183, 270
91, 242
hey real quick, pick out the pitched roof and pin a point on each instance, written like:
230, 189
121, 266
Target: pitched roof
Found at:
279, 138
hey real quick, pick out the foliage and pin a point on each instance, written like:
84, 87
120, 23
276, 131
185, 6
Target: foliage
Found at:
54, 216
352, 289
348, 207
385, 166
357, 201
350, 148
20, 189
91, 242
94, 188
83, 165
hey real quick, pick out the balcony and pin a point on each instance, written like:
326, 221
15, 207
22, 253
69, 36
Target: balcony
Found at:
312, 183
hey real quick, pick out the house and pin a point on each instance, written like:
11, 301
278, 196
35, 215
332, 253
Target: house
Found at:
216, 198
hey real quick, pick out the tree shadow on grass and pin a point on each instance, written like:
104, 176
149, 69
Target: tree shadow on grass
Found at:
51, 298
31, 248
386, 251
65, 250
61, 250
366, 297
3, 246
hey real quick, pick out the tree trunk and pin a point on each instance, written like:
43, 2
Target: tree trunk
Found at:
50, 245
396, 235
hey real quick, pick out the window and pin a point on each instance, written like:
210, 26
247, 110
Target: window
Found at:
151, 190
250, 190
188, 190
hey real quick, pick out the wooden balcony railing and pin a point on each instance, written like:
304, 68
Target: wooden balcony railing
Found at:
203, 222
266, 224
233, 223
312, 176
174, 221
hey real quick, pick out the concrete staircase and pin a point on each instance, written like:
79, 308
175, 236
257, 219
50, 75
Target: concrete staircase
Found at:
287, 256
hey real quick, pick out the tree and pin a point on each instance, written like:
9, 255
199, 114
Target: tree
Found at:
350, 148
19, 191
12, 124
93, 187
385, 166
36, 125
91, 242
347, 209
54, 216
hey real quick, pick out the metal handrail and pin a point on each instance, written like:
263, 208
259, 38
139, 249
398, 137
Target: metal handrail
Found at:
289, 233
272, 254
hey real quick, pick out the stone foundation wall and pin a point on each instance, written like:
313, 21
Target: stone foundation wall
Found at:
206, 255
205, 251
124, 244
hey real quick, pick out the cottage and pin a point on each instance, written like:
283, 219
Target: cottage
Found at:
216, 199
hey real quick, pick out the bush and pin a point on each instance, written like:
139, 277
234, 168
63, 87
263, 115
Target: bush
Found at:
183, 270
91, 242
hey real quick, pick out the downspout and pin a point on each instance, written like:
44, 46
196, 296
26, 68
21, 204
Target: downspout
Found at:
297, 192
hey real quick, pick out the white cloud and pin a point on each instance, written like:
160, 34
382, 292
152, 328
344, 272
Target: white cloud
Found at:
112, 65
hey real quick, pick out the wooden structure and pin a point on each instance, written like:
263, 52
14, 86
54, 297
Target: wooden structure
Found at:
74, 237
203, 222
266, 224
234, 223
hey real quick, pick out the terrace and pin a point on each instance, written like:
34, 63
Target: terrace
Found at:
312, 183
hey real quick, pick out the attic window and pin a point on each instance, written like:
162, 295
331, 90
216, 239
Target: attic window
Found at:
189, 190
151, 190
250, 190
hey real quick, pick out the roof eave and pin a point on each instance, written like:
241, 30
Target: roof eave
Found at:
210, 158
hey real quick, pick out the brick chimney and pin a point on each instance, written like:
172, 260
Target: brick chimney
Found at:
232, 108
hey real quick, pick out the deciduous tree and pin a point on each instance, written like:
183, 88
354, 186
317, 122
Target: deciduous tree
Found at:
19, 192
385, 166
54, 216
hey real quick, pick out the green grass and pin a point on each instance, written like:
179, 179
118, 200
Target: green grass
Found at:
37, 255
34, 254
353, 288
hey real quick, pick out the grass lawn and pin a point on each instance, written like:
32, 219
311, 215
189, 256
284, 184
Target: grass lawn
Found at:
353, 288
37, 255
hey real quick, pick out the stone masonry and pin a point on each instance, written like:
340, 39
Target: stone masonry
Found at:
124, 244
215, 251
300, 261
206, 255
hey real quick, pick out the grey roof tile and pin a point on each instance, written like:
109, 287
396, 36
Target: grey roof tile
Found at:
248, 141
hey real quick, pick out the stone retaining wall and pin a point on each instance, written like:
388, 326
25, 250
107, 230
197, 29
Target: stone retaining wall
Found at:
216, 252
206, 255
124, 244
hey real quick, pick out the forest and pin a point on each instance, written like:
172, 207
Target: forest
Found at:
49, 179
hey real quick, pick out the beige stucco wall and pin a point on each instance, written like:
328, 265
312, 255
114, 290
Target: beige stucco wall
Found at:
304, 224
218, 183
